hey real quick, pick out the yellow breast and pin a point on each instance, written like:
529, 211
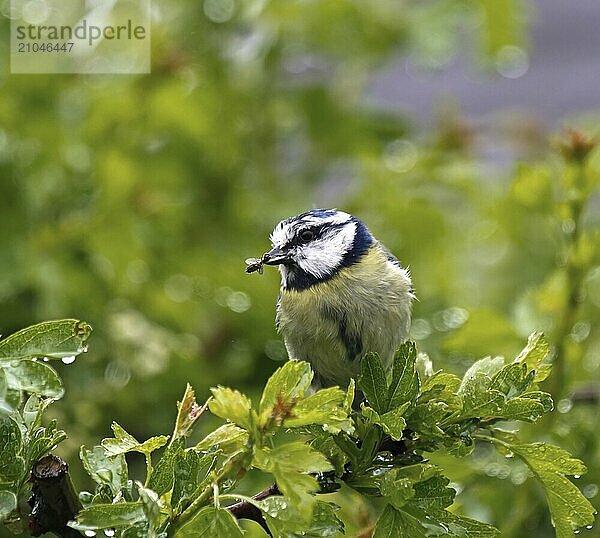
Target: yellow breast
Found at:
364, 307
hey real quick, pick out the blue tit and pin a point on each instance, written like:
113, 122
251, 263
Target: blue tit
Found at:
342, 294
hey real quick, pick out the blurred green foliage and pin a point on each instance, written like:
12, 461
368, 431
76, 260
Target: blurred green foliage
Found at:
132, 202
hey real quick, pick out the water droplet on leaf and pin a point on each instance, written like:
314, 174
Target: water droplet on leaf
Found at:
69, 360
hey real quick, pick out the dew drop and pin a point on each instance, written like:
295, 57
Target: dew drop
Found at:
588, 527
45, 359
576, 476
89, 533
576, 531
109, 532
68, 360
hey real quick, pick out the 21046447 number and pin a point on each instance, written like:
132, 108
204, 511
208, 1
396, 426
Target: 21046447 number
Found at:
45, 47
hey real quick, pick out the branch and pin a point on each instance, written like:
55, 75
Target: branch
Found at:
53, 501
246, 510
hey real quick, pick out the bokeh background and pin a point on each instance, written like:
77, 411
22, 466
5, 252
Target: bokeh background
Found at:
132, 201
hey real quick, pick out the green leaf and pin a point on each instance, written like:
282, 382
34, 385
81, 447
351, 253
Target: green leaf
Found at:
464, 526
373, 383
190, 472
54, 339
349, 399
8, 503
392, 422
34, 377
526, 409
479, 400
535, 351
124, 442
211, 522
396, 489
105, 516
11, 461
395, 523
188, 412
325, 407
487, 367
404, 385
512, 380
163, 475
289, 464
231, 405
569, 509
104, 470
285, 522
229, 438
40, 441
285, 387
151, 506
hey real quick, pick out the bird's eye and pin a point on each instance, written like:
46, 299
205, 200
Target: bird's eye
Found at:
306, 236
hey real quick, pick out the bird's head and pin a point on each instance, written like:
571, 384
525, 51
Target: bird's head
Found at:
313, 246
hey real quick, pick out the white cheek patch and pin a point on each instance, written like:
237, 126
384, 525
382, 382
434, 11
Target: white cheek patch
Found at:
281, 235
323, 256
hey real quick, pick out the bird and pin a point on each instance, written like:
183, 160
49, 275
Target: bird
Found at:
342, 294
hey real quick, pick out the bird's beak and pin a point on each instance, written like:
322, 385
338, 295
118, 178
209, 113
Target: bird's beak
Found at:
277, 256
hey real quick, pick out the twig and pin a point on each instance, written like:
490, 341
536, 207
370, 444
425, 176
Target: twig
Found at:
246, 510
53, 501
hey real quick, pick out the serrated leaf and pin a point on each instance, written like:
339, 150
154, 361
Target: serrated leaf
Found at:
190, 471
372, 381
395, 523
392, 422
479, 400
396, 489
229, 438
486, 367
105, 516
231, 405
349, 398
535, 351
513, 379
445, 380
8, 503
458, 525
34, 377
404, 385
123, 442
326, 444
568, 507
151, 506
525, 409
287, 385
54, 339
325, 407
433, 494
40, 441
289, 464
105, 470
210, 522
284, 521
11, 461
188, 412
162, 477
